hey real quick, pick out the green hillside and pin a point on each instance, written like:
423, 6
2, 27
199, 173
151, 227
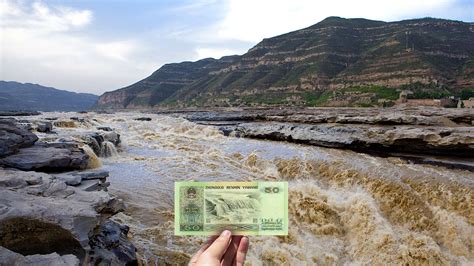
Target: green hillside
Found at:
336, 62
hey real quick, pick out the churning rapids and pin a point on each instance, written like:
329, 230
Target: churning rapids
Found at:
344, 207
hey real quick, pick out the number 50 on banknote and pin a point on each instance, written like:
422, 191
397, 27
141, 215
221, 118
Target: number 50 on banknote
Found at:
245, 208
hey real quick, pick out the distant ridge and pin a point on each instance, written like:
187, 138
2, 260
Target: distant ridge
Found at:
336, 62
33, 97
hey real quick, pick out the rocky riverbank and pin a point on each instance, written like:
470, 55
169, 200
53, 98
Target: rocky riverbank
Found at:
344, 207
54, 206
70, 201
430, 135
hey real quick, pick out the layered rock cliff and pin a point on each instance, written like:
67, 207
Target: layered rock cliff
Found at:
334, 62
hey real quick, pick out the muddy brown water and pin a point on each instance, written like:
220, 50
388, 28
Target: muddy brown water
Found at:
344, 207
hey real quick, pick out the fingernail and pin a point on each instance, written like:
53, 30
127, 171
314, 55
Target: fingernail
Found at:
225, 233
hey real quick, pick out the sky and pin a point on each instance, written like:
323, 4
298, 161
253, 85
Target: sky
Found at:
103, 45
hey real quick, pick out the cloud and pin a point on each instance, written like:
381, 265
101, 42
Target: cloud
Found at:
50, 45
41, 17
247, 22
73, 48
120, 50
251, 21
194, 5
214, 52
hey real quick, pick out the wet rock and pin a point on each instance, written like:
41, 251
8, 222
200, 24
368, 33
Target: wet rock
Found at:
78, 119
112, 137
7, 120
50, 219
8, 257
104, 128
44, 127
420, 130
110, 246
13, 138
48, 157
102, 143
113, 206
454, 141
143, 119
25, 125
105, 112
19, 113
89, 175
426, 116
241, 116
94, 140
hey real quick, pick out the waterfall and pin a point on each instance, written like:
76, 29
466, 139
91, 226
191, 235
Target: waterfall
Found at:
228, 205
94, 161
107, 149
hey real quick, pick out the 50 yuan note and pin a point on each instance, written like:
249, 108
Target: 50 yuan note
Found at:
245, 208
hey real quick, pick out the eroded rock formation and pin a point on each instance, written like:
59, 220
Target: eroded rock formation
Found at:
392, 131
56, 219
13, 138
48, 157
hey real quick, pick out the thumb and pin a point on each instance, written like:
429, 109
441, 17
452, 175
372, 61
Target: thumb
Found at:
217, 249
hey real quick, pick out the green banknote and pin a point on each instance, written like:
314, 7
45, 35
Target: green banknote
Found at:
245, 208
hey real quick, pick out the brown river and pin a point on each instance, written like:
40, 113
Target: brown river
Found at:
345, 208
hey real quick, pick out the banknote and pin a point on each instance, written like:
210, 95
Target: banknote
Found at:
245, 208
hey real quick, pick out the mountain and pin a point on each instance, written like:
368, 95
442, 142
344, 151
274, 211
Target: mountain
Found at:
34, 97
336, 62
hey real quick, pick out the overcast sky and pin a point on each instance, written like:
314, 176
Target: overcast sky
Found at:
103, 45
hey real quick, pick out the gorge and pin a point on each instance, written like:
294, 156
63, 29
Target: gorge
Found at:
345, 206
372, 180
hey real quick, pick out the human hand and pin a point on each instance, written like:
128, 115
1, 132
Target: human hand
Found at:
222, 250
